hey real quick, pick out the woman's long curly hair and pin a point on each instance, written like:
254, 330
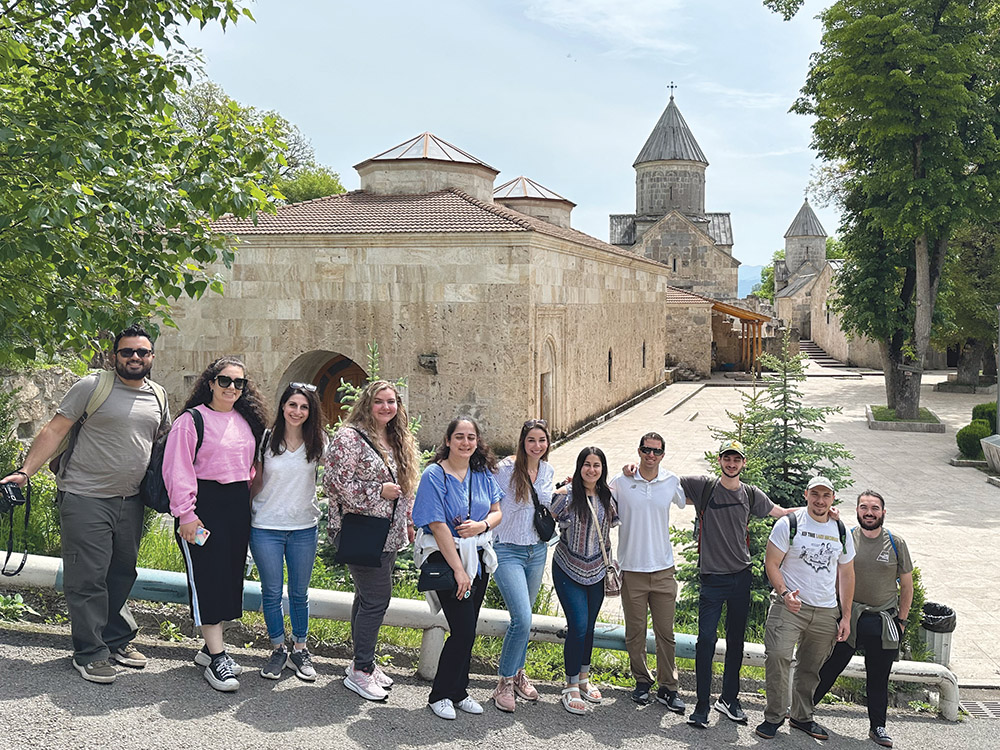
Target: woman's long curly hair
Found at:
313, 435
579, 502
522, 480
250, 405
401, 440
481, 460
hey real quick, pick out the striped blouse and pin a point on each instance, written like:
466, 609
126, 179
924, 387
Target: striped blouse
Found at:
579, 552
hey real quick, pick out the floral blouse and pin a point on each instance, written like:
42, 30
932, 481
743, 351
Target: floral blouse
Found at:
353, 481
579, 551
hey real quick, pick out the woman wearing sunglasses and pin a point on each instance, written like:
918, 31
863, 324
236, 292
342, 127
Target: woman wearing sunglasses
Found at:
524, 478
457, 505
578, 568
208, 481
371, 470
283, 525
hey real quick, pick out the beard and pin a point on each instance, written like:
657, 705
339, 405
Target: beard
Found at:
733, 475
871, 524
126, 373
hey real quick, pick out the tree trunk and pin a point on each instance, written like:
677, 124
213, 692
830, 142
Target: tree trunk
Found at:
906, 385
970, 357
990, 361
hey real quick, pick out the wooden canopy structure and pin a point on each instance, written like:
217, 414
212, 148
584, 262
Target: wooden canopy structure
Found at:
751, 335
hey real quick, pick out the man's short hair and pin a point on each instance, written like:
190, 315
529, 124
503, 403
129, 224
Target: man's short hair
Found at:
133, 330
872, 493
653, 436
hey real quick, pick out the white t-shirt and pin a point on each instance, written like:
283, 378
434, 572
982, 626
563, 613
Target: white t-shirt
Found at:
811, 564
287, 499
644, 511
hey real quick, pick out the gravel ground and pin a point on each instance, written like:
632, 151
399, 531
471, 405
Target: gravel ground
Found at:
167, 705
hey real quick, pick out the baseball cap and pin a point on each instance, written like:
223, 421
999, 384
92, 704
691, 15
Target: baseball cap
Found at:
820, 481
732, 446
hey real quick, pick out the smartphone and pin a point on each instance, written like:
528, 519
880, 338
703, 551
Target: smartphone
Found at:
201, 535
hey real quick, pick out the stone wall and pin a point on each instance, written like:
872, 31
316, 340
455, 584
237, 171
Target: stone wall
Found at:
472, 321
690, 255
664, 186
804, 250
40, 393
796, 311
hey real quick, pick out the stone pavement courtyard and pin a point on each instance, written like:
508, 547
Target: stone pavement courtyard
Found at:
948, 515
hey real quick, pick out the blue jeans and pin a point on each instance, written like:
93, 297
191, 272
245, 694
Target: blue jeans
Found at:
518, 576
581, 605
733, 590
271, 548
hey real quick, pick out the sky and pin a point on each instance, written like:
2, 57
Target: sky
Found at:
562, 91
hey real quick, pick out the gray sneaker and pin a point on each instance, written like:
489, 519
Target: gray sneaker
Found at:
130, 656
301, 662
97, 671
275, 664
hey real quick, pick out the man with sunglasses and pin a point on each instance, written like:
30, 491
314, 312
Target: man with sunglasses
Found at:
647, 561
98, 477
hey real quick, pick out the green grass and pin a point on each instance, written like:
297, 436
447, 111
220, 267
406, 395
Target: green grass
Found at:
885, 414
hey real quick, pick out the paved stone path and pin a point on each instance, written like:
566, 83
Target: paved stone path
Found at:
949, 516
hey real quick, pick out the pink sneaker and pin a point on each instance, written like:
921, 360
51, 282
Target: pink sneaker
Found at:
364, 684
384, 681
503, 696
524, 688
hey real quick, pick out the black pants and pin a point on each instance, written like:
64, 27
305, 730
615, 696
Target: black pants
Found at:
878, 664
733, 590
452, 679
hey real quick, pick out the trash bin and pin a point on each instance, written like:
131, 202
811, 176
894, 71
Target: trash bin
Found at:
937, 626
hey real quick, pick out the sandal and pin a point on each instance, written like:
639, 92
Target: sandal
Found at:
589, 692
573, 703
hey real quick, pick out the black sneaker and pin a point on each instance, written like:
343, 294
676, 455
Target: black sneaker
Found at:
811, 728
732, 709
671, 700
880, 737
272, 670
641, 693
766, 730
203, 659
699, 717
220, 675
96, 671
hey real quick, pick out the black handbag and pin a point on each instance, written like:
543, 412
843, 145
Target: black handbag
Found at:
436, 574
545, 524
362, 538
12, 498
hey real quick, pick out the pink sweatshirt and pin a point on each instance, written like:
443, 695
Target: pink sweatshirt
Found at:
226, 456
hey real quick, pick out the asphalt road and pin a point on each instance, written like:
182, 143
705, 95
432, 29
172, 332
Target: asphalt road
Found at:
45, 704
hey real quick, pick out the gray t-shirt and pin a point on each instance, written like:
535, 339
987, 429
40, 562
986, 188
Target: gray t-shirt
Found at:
724, 527
112, 450
877, 566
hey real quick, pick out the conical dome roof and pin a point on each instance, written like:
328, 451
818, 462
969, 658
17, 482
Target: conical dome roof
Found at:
427, 146
525, 187
671, 140
805, 223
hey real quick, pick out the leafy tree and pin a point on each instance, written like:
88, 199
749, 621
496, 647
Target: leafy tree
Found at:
903, 93
310, 182
970, 293
105, 199
766, 288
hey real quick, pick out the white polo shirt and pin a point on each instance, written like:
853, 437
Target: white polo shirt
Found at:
644, 511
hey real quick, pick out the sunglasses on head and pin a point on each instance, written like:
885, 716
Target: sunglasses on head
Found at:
126, 352
532, 423
225, 381
647, 449
303, 387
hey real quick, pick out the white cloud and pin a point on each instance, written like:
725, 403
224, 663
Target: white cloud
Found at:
732, 97
628, 29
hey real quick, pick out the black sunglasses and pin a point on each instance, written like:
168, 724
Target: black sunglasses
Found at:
303, 387
647, 449
225, 381
532, 423
127, 352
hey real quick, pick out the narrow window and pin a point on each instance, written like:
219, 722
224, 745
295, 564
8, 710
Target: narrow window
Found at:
643, 355
609, 365
675, 265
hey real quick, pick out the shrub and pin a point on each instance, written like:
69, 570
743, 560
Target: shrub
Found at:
969, 436
987, 412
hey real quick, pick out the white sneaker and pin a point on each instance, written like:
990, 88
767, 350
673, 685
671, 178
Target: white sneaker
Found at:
444, 709
384, 681
469, 705
364, 684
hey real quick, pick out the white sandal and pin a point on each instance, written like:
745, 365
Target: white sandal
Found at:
590, 693
568, 699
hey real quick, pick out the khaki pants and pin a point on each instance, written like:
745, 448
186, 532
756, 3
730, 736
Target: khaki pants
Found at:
656, 592
814, 629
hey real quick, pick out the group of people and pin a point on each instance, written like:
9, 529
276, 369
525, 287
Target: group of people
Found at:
236, 478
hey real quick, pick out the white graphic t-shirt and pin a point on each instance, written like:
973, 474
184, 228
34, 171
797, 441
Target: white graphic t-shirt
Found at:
810, 565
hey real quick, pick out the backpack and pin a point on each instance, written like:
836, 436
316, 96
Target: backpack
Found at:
706, 497
793, 527
105, 383
153, 489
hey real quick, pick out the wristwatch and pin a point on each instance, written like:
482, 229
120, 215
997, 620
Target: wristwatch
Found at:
785, 593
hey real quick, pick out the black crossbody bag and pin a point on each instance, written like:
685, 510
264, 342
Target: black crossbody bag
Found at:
362, 538
11, 498
436, 574
545, 524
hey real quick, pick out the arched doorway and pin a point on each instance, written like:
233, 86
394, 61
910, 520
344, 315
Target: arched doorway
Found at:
325, 370
547, 384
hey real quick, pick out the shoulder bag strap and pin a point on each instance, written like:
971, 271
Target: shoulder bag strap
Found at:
534, 496
600, 536
10, 532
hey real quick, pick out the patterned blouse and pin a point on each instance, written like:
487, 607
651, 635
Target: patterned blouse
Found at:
353, 480
579, 551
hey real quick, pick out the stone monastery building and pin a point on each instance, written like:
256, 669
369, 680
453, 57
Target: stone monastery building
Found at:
485, 299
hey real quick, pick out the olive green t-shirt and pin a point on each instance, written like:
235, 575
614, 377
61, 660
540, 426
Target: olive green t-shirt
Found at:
112, 450
877, 566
